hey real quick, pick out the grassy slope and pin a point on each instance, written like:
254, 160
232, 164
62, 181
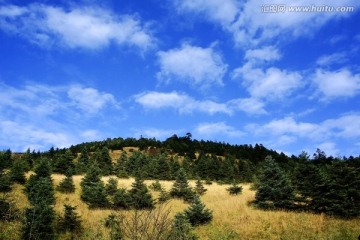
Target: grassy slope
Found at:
233, 217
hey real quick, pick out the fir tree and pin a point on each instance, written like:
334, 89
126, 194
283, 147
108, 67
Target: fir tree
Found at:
234, 189
17, 172
181, 185
274, 190
40, 191
120, 167
93, 191
5, 183
181, 229
67, 184
70, 221
122, 199
164, 196
197, 213
156, 186
111, 186
140, 195
83, 162
39, 222
199, 187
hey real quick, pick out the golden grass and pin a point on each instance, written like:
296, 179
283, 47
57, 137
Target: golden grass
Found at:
233, 217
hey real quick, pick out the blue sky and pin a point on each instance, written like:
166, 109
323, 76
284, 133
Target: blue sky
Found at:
224, 70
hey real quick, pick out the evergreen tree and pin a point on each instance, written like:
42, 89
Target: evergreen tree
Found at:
39, 222
122, 199
67, 184
120, 167
181, 229
64, 163
199, 187
181, 187
156, 186
234, 189
43, 169
83, 162
164, 196
140, 195
197, 213
111, 187
93, 191
40, 191
17, 172
274, 190
70, 221
5, 183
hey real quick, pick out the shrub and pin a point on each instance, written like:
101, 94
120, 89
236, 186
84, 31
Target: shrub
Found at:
181, 229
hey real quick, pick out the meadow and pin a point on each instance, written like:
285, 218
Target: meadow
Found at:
233, 216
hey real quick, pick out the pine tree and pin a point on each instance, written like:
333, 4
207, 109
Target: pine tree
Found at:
274, 190
93, 191
5, 183
111, 187
39, 222
122, 199
181, 229
156, 186
17, 172
164, 196
140, 195
40, 191
120, 167
83, 162
197, 213
234, 189
67, 184
181, 187
70, 222
199, 187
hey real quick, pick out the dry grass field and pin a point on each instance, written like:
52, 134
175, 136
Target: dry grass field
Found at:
233, 217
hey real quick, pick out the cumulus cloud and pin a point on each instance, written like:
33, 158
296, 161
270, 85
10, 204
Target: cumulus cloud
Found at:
251, 26
251, 106
90, 100
334, 84
218, 128
74, 27
40, 116
288, 130
267, 53
196, 66
272, 83
179, 101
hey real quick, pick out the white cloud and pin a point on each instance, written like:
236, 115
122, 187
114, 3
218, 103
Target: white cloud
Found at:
215, 129
181, 102
268, 53
223, 12
250, 26
75, 27
330, 59
90, 100
196, 66
21, 136
39, 116
270, 84
249, 105
287, 130
329, 148
333, 84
